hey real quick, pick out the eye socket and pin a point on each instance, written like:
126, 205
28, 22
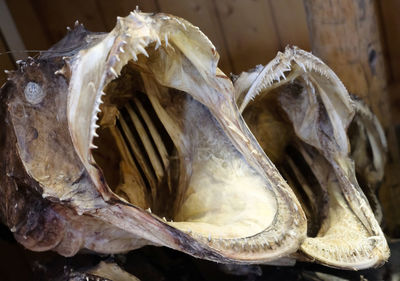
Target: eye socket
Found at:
34, 93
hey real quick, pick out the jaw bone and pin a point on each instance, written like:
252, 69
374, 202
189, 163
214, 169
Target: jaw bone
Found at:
302, 100
160, 154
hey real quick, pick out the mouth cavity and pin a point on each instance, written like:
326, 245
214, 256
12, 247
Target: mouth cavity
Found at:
162, 151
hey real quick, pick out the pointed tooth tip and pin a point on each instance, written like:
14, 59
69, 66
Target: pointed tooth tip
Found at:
158, 43
92, 146
166, 40
142, 50
134, 56
112, 70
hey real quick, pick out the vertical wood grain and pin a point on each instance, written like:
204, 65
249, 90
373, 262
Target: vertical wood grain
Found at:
111, 9
390, 10
249, 31
6, 62
201, 13
57, 15
28, 25
291, 23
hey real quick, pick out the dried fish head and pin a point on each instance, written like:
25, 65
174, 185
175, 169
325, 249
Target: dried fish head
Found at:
298, 97
130, 138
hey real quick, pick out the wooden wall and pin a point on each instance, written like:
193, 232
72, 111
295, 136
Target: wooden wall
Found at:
245, 32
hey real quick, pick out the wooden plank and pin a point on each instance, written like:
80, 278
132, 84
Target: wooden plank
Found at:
250, 32
394, 93
111, 9
57, 15
291, 23
345, 35
6, 62
201, 13
391, 28
10, 33
33, 34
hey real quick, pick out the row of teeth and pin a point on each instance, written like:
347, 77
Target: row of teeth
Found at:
257, 243
338, 253
124, 50
283, 63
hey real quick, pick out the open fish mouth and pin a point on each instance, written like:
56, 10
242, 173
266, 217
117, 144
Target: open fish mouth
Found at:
300, 112
130, 138
155, 124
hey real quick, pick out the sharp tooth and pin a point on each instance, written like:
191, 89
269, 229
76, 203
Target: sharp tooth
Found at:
121, 49
113, 72
166, 40
92, 146
142, 42
142, 50
209, 237
124, 42
117, 58
148, 210
95, 134
302, 66
158, 43
134, 56
164, 219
